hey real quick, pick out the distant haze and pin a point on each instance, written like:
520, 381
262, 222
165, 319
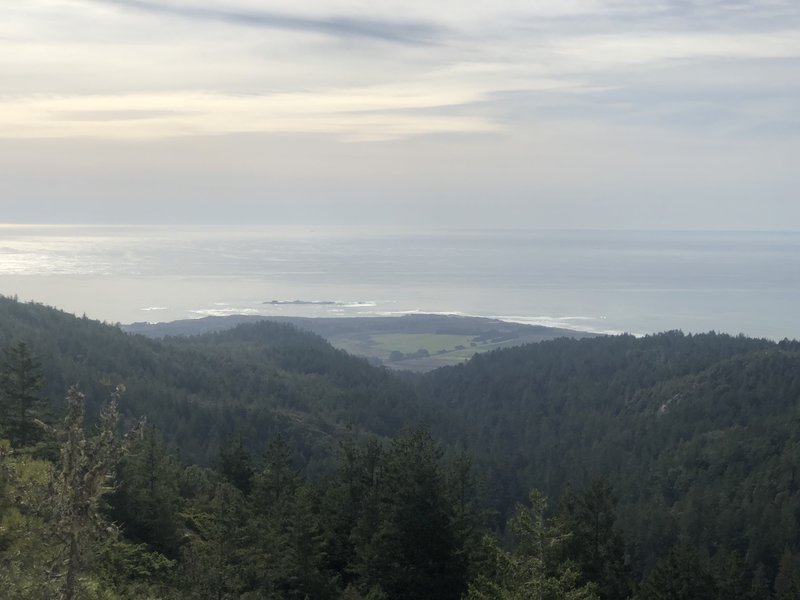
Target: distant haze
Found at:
548, 114
601, 282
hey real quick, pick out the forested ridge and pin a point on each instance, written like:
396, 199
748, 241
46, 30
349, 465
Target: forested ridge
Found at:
252, 382
699, 435
274, 466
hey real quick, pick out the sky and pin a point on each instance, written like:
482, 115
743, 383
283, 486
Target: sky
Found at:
565, 114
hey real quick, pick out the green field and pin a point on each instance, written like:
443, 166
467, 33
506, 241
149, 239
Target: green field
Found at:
391, 341
408, 343
440, 346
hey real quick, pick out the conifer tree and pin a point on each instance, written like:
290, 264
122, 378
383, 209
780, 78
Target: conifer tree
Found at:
596, 544
21, 380
236, 466
406, 540
81, 478
533, 570
680, 576
213, 558
26, 546
787, 581
146, 501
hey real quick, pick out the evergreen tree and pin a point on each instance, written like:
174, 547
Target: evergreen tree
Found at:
680, 576
236, 466
146, 500
468, 514
214, 559
278, 480
787, 581
21, 381
27, 548
349, 506
733, 577
596, 544
760, 585
286, 533
79, 481
534, 569
407, 544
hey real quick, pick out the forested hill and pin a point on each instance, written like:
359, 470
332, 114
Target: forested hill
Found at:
698, 434
253, 382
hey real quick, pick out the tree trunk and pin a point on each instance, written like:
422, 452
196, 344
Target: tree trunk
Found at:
70, 584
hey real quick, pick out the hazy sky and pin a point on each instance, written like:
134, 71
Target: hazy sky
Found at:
503, 113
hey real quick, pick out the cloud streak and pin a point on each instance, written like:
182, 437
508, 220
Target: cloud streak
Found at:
369, 114
402, 32
532, 106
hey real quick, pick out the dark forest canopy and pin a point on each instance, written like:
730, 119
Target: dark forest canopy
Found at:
277, 466
253, 382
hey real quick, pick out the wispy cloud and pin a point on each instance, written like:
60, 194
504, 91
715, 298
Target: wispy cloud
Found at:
404, 32
355, 115
553, 99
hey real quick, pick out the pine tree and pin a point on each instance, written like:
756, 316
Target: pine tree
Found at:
534, 569
21, 380
26, 545
236, 466
407, 544
596, 544
80, 480
278, 480
146, 501
213, 559
733, 577
680, 576
787, 581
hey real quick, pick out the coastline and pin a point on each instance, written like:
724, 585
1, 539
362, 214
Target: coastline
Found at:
600, 282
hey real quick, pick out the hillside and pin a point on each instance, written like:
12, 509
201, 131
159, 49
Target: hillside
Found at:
254, 381
697, 435
409, 342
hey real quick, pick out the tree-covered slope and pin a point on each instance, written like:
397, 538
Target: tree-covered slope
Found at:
255, 381
699, 434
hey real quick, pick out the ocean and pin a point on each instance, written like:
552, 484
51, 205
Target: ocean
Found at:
600, 281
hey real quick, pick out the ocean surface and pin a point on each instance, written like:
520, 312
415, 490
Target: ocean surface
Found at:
600, 281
